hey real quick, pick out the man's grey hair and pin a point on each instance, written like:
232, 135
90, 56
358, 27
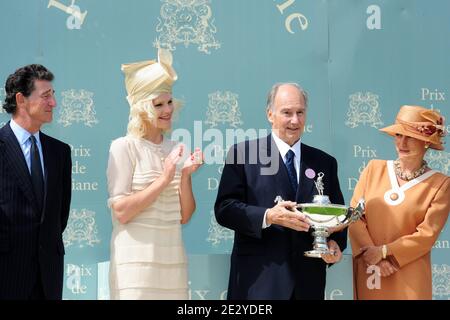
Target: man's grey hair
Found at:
273, 92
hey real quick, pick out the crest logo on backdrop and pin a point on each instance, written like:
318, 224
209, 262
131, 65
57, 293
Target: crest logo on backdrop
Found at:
81, 229
439, 160
223, 108
217, 233
186, 22
77, 106
441, 281
364, 110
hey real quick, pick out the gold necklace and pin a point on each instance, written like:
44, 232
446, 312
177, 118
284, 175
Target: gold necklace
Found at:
409, 176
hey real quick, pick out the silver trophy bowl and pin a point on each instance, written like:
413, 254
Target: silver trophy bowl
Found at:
326, 218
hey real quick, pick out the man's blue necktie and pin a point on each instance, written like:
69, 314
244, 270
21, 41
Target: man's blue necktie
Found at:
37, 178
291, 169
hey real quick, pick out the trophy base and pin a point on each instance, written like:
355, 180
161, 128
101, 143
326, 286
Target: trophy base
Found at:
316, 253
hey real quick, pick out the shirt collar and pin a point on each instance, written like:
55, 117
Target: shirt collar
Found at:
21, 134
283, 147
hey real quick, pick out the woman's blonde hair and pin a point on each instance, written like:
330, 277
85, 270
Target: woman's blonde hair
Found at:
142, 115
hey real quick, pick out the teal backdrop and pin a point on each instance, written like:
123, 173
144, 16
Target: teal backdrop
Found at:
359, 61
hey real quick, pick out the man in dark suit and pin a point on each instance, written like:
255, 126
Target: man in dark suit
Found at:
35, 190
268, 259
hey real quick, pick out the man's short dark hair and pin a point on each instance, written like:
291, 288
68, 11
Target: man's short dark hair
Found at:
22, 80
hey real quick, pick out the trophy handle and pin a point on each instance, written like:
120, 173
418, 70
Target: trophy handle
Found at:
354, 214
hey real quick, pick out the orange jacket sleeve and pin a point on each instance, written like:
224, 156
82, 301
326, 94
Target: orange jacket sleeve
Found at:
358, 232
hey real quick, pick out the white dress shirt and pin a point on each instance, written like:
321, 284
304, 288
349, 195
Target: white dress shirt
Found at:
283, 147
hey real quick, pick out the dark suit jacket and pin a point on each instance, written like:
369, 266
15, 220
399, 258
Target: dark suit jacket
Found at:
269, 263
31, 240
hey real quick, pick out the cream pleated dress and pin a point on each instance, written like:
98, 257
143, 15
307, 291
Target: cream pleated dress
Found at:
148, 259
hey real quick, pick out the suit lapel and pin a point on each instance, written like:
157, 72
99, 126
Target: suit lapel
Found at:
16, 160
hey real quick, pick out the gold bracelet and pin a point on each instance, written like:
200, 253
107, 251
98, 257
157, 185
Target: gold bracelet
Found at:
384, 251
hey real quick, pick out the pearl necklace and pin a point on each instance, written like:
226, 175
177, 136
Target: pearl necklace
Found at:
409, 176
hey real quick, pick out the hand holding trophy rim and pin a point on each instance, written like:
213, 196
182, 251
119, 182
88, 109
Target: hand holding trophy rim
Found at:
326, 217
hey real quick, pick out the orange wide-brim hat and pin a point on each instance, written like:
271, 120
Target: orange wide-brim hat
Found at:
420, 123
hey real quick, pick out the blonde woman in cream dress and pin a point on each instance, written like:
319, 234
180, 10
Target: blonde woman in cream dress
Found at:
150, 190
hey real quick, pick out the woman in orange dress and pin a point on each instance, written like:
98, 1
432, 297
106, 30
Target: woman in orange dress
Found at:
407, 205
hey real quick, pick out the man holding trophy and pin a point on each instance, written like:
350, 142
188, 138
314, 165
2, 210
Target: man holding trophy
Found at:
268, 259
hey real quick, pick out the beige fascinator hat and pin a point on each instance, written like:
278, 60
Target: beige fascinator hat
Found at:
148, 79
420, 123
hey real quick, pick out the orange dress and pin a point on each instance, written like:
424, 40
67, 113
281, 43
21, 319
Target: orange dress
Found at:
409, 226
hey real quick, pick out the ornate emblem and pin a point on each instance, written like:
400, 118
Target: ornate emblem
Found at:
439, 160
441, 280
81, 229
217, 233
187, 22
77, 106
364, 109
223, 108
